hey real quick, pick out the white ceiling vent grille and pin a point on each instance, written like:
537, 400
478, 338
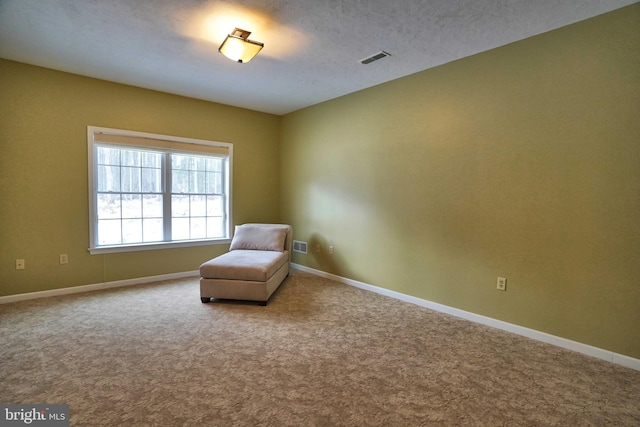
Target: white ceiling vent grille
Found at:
376, 57
299, 246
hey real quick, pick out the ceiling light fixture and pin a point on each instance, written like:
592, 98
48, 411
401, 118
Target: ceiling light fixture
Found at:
238, 47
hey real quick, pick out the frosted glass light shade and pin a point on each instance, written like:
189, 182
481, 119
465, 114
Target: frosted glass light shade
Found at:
237, 47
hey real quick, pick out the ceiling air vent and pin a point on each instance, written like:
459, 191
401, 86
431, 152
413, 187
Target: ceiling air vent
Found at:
377, 56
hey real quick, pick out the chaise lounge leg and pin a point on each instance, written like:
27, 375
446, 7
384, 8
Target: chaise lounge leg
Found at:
205, 299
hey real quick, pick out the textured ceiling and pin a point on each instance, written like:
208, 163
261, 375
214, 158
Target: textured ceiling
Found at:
312, 48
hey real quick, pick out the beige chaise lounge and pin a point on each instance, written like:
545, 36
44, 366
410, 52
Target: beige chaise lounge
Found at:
256, 264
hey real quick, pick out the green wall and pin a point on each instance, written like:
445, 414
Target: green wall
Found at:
521, 162
43, 172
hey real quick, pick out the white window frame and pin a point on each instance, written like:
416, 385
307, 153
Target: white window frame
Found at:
185, 146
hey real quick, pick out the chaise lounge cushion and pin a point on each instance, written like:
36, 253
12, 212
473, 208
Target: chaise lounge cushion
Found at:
259, 237
240, 264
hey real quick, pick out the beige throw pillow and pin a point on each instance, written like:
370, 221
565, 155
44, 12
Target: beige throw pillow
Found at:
258, 238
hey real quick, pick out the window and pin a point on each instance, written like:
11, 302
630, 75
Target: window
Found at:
149, 191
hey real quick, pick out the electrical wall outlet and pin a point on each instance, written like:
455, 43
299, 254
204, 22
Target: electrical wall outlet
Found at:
502, 284
64, 259
331, 250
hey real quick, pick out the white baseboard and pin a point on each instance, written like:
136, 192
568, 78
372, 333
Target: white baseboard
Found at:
87, 288
599, 353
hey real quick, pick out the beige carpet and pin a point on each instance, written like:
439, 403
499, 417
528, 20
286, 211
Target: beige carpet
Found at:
320, 354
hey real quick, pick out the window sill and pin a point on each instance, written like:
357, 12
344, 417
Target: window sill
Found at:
156, 246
